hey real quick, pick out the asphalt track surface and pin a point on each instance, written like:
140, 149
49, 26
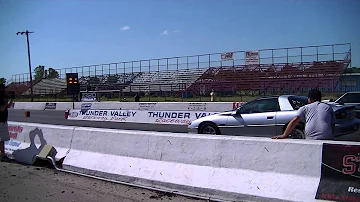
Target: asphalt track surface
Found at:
58, 118
41, 184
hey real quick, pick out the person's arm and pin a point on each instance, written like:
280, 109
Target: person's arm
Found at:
5, 105
290, 127
300, 116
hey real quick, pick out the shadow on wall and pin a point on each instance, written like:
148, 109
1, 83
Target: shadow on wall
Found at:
28, 155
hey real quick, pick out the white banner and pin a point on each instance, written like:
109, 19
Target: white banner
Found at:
137, 116
88, 97
252, 57
227, 56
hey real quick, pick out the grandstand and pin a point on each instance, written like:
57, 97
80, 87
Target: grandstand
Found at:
271, 71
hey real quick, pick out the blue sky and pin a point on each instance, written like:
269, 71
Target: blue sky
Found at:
85, 32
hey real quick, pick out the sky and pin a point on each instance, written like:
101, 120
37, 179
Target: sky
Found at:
69, 33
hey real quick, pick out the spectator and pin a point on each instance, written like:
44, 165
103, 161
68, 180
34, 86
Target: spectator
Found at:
4, 132
137, 97
212, 96
318, 117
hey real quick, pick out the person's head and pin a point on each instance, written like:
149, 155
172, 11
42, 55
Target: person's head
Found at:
314, 95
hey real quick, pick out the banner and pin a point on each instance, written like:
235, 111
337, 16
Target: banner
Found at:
252, 57
227, 56
137, 116
340, 173
51, 105
88, 97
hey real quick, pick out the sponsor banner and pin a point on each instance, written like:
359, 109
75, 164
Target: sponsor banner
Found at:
50, 105
197, 107
89, 97
147, 106
340, 173
137, 116
252, 57
237, 104
86, 106
227, 56
14, 144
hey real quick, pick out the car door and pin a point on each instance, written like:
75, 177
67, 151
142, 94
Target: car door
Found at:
255, 118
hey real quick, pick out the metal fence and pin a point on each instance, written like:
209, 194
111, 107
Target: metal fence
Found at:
334, 52
185, 67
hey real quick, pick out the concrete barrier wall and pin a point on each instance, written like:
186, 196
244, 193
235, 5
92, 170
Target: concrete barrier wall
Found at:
232, 168
235, 168
157, 106
27, 140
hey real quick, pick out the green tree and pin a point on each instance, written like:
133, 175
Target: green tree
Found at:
52, 73
39, 72
2, 80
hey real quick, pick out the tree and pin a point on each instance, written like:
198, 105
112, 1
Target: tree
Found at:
52, 74
2, 80
39, 72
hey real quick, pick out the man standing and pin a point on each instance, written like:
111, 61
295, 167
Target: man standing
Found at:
4, 132
318, 117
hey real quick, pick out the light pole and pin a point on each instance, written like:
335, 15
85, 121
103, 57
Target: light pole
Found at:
28, 47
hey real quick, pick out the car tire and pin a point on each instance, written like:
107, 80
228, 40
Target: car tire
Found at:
209, 129
297, 133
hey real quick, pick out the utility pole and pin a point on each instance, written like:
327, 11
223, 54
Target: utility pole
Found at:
28, 47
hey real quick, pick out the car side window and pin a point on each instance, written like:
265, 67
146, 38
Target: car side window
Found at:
351, 98
260, 106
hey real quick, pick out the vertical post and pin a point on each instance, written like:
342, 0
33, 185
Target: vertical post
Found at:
209, 60
116, 72
140, 65
287, 56
301, 55
177, 64
272, 56
149, 66
102, 70
158, 65
167, 63
317, 54
333, 53
198, 62
132, 67
109, 69
187, 62
31, 81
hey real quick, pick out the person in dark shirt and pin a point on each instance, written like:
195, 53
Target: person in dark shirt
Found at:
137, 97
4, 132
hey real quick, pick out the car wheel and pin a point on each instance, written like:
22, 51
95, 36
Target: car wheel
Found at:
209, 128
297, 134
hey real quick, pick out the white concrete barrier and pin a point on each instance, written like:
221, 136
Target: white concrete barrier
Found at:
27, 140
138, 116
30, 105
156, 106
232, 168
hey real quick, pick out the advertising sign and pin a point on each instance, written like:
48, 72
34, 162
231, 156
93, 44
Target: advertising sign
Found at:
252, 57
340, 173
139, 116
50, 105
227, 56
88, 97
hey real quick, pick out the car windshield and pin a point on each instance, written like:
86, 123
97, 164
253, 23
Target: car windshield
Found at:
298, 101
